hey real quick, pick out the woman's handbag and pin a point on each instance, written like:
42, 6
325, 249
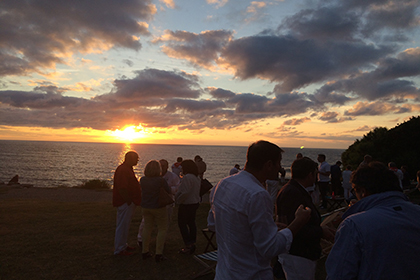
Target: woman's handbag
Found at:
205, 186
164, 198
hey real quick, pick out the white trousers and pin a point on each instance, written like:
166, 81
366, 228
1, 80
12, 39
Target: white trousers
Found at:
124, 214
297, 268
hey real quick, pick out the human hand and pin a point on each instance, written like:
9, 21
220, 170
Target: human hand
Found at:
303, 214
352, 202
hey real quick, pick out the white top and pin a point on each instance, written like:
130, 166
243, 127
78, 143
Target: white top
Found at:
247, 237
346, 179
324, 167
173, 181
189, 190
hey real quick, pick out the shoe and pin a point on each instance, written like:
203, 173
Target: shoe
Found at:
160, 257
140, 244
146, 255
124, 253
130, 249
185, 251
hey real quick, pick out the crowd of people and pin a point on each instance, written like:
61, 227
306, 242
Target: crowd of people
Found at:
258, 217
182, 184
248, 237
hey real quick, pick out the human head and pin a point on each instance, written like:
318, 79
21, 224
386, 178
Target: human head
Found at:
197, 158
189, 167
164, 165
179, 159
374, 178
367, 158
261, 152
321, 157
237, 166
392, 165
303, 167
152, 169
132, 158
348, 167
338, 163
299, 155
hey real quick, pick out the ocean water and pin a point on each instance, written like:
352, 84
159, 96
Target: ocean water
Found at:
68, 164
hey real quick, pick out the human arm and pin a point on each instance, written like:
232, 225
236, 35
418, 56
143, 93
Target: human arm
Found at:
166, 186
325, 170
121, 183
288, 202
302, 216
267, 239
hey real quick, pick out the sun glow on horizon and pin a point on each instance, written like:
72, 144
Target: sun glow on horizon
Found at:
129, 134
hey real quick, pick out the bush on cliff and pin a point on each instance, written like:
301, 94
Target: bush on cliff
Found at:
399, 144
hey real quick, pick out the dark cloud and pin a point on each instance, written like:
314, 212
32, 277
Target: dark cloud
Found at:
199, 49
128, 62
297, 121
370, 109
297, 63
154, 83
351, 20
323, 23
220, 93
189, 105
383, 82
37, 34
333, 117
154, 98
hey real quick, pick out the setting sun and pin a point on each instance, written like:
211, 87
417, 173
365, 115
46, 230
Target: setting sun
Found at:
129, 133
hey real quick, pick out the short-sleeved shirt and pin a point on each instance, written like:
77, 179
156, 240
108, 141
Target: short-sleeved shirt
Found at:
124, 178
324, 167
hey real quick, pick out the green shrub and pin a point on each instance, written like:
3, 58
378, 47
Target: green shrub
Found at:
96, 184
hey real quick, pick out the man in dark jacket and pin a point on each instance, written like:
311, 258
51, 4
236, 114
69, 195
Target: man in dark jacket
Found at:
300, 263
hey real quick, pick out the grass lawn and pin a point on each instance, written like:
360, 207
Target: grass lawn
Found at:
54, 240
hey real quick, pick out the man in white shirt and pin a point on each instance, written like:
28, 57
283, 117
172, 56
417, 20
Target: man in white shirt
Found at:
242, 215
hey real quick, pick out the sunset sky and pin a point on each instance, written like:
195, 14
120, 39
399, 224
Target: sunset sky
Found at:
318, 74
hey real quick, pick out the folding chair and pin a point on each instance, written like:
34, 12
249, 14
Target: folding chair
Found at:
208, 234
210, 256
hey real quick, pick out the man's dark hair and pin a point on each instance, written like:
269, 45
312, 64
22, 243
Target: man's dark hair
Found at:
189, 166
261, 152
323, 156
375, 178
302, 167
130, 154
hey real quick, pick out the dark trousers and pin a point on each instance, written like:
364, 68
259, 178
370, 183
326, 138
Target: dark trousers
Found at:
323, 189
186, 222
